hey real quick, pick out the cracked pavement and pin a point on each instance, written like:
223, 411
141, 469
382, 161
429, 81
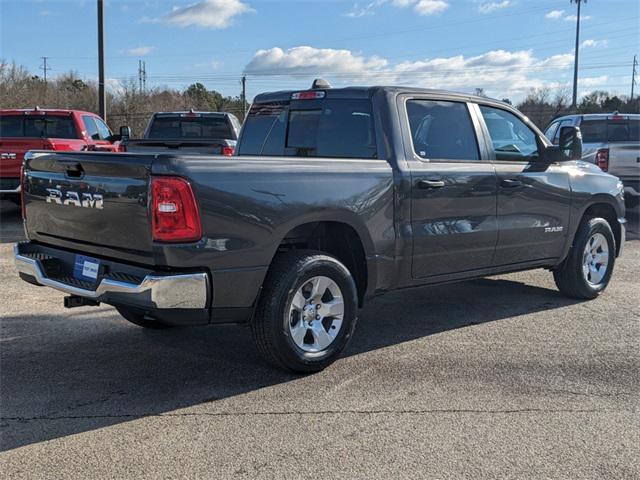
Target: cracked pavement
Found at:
493, 378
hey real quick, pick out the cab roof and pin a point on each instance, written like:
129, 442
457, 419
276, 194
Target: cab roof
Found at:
43, 111
367, 92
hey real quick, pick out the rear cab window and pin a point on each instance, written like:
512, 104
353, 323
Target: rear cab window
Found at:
317, 127
38, 126
610, 130
191, 126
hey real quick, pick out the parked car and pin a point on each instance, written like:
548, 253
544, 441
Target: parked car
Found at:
335, 195
212, 133
611, 141
46, 129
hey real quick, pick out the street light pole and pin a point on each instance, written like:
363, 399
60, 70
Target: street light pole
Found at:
574, 103
102, 101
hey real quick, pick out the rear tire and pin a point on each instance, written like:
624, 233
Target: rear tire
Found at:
307, 311
586, 271
139, 318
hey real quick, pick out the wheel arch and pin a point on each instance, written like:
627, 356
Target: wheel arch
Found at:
345, 239
607, 211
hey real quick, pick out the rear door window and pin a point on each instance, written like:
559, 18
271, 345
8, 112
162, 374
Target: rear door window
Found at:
442, 130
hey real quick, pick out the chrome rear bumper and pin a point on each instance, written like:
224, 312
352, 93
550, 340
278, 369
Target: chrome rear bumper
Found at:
184, 291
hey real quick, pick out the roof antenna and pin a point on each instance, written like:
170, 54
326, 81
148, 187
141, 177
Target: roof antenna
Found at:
319, 83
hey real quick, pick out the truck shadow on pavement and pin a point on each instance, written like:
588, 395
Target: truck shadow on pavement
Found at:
10, 223
89, 369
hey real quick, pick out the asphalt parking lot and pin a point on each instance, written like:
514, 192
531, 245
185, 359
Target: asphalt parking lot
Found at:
494, 378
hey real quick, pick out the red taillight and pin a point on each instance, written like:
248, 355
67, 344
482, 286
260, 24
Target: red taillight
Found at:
602, 159
227, 151
174, 212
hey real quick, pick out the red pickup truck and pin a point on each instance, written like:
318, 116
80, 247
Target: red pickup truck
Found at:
46, 129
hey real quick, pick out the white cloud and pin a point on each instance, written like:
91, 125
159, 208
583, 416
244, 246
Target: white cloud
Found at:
489, 7
594, 43
114, 86
560, 15
430, 7
499, 72
594, 81
554, 14
206, 14
421, 7
573, 18
310, 60
564, 60
139, 51
362, 11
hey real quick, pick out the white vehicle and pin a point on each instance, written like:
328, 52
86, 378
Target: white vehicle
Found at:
611, 141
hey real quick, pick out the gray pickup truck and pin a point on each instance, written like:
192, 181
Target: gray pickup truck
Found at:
208, 133
611, 141
334, 196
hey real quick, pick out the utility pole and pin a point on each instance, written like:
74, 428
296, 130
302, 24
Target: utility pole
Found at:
140, 76
575, 65
144, 75
244, 97
45, 68
102, 101
633, 76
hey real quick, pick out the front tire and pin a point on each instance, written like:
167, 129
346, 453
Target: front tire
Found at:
586, 271
307, 311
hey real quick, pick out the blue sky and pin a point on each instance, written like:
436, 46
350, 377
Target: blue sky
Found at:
503, 46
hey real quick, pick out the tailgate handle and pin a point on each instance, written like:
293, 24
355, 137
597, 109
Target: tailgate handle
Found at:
73, 169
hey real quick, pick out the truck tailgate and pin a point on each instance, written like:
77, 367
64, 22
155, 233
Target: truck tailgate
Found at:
624, 159
97, 199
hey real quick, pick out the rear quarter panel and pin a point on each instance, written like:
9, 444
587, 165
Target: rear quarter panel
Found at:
249, 204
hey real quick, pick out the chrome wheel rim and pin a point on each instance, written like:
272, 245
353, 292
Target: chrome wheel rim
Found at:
315, 314
595, 259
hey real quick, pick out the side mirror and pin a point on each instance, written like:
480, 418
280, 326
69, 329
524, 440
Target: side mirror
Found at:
125, 133
570, 143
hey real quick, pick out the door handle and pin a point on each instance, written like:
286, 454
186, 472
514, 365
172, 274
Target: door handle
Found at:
428, 184
510, 183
